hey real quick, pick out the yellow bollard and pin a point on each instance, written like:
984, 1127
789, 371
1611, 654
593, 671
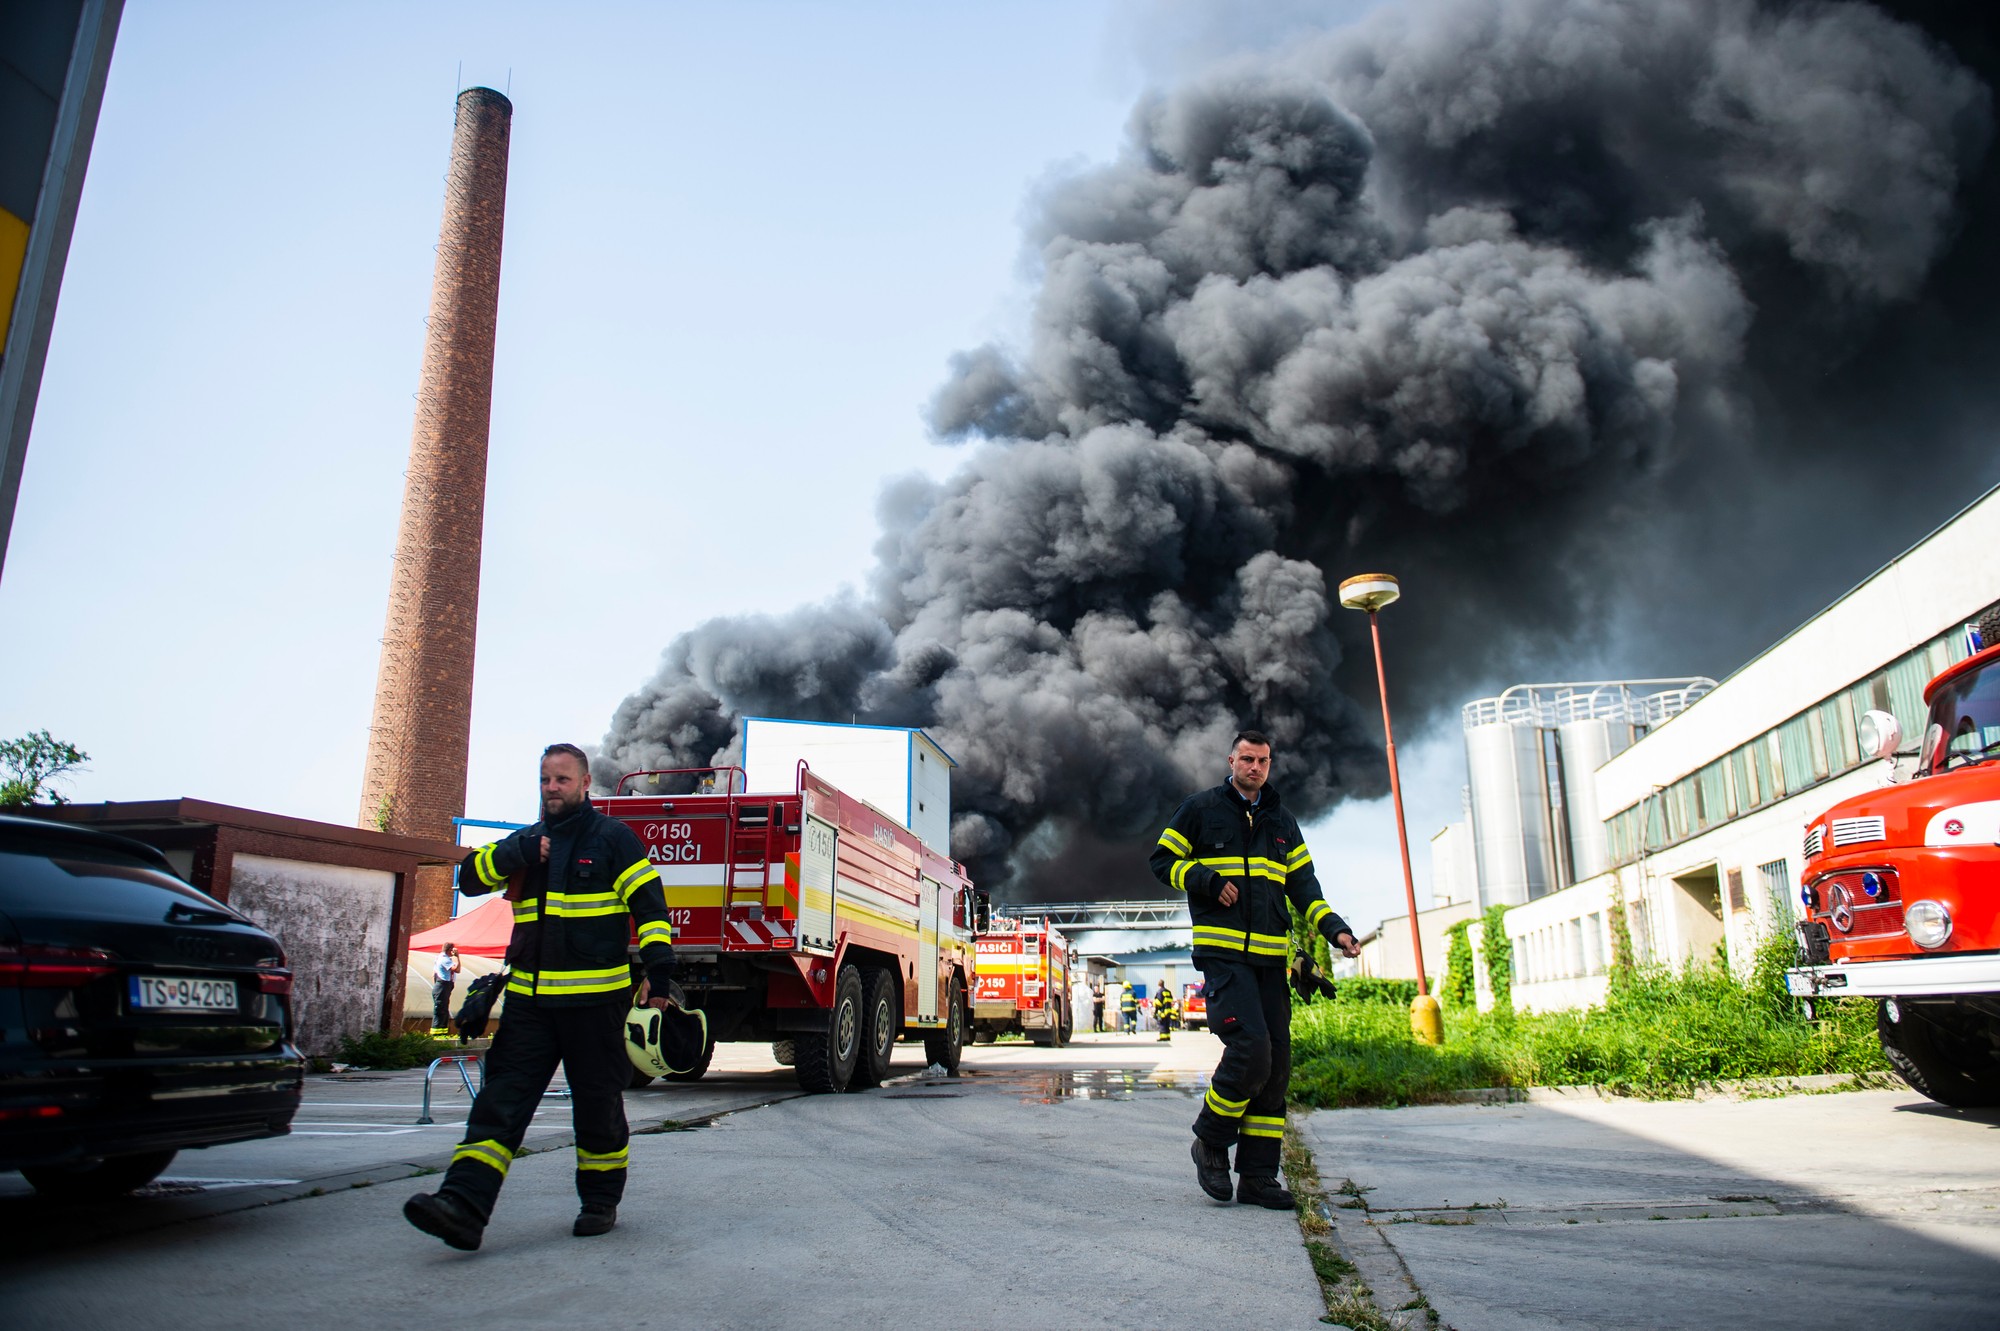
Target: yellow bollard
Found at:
1426, 1020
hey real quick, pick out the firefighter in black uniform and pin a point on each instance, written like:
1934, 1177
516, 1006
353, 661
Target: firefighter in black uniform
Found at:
1128, 1011
1239, 857
574, 878
1163, 1012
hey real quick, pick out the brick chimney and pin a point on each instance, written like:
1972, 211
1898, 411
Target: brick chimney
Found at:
417, 747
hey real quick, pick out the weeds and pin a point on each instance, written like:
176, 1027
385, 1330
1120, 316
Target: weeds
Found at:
1660, 1035
1349, 1300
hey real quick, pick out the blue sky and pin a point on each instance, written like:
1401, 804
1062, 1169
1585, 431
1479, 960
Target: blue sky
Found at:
741, 242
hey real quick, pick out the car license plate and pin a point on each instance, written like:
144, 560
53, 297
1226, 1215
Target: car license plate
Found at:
180, 993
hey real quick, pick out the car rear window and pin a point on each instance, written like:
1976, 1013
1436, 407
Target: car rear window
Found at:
60, 877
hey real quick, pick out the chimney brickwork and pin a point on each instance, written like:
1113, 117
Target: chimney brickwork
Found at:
419, 742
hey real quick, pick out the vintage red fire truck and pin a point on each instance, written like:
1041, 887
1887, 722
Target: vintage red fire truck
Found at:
1902, 893
809, 918
1023, 985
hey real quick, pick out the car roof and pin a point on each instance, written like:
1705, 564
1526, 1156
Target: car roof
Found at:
14, 828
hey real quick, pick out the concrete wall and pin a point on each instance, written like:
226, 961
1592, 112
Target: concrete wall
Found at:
1386, 955
334, 923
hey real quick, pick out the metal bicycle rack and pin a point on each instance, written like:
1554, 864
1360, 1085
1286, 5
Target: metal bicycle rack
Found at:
459, 1061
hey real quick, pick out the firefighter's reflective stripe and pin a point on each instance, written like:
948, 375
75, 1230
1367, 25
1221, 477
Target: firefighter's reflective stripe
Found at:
576, 904
655, 931
1215, 935
1269, 945
1178, 874
521, 982
601, 981
1316, 912
1257, 945
1256, 866
1225, 1107
1298, 859
489, 1153
482, 864
636, 875
527, 912
1259, 1125
597, 1160
1175, 842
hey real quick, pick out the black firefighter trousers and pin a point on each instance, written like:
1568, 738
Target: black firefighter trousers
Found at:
1250, 1007
589, 1043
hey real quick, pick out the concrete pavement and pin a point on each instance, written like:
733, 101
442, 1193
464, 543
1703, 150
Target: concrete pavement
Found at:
1862, 1209
1045, 1187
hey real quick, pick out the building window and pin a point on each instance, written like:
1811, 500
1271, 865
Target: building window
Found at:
1777, 878
1795, 754
1836, 727
1906, 692
1736, 891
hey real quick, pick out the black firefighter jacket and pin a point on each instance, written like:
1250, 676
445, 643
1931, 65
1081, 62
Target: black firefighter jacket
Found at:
570, 940
1216, 836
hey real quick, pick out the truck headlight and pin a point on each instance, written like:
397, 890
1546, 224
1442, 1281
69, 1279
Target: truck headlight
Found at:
1929, 923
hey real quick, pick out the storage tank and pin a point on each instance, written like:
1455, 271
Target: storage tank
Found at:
1587, 745
1511, 834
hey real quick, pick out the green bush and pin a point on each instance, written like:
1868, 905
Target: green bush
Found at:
1460, 983
1663, 1035
1368, 989
376, 1050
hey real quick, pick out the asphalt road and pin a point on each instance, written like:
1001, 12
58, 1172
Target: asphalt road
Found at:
1042, 1188
1051, 1188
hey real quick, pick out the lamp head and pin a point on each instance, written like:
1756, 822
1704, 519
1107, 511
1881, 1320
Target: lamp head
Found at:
1369, 591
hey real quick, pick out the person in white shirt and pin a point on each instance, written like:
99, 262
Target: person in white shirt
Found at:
443, 980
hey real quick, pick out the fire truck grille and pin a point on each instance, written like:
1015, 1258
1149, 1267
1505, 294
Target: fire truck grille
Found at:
1856, 831
1815, 842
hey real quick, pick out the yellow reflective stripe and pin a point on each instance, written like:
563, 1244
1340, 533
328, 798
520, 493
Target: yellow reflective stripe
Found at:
1298, 858
482, 864
1226, 1108
1221, 861
489, 1153
1316, 912
1269, 945
1258, 1125
617, 1159
633, 879
527, 912
1177, 877
575, 904
583, 982
655, 931
1215, 933
1175, 842
521, 982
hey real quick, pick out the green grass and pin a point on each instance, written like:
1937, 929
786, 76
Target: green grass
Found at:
1661, 1036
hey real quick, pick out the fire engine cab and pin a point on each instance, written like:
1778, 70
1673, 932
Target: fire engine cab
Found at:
1902, 893
1023, 986
813, 898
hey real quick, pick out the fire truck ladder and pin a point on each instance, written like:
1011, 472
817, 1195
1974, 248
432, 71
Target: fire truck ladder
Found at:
1077, 915
752, 829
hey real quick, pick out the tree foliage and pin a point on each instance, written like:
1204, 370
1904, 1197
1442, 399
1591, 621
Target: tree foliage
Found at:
33, 762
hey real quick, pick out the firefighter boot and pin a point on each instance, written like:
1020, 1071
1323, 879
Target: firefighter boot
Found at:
1258, 1190
444, 1216
594, 1220
1211, 1168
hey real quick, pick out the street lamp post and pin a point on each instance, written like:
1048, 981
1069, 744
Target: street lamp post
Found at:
1372, 592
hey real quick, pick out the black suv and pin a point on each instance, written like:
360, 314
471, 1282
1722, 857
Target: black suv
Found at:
138, 1016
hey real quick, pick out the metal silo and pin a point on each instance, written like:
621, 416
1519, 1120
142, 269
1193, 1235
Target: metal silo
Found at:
1511, 835
1586, 745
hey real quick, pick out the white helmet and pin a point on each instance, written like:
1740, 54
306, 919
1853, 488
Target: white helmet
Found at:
660, 1043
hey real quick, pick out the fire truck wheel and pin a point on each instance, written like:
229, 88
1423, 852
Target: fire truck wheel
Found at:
980, 1035
882, 1022
785, 1053
1949, 1066
1068, 1020
944, 1047
826, 1058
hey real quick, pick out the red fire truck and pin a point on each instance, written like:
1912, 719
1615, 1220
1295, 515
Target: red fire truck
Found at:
808, 918
1902, 893
1194, 1007
1023, 984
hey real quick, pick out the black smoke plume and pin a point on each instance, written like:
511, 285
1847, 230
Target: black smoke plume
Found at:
1614, 327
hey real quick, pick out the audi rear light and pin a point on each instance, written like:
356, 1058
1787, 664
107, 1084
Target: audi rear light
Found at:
29, 1112
32, 966
273, 979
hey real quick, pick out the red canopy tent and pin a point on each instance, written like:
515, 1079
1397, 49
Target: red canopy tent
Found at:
480, 932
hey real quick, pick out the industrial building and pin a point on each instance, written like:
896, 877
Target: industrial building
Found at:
1686, 800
